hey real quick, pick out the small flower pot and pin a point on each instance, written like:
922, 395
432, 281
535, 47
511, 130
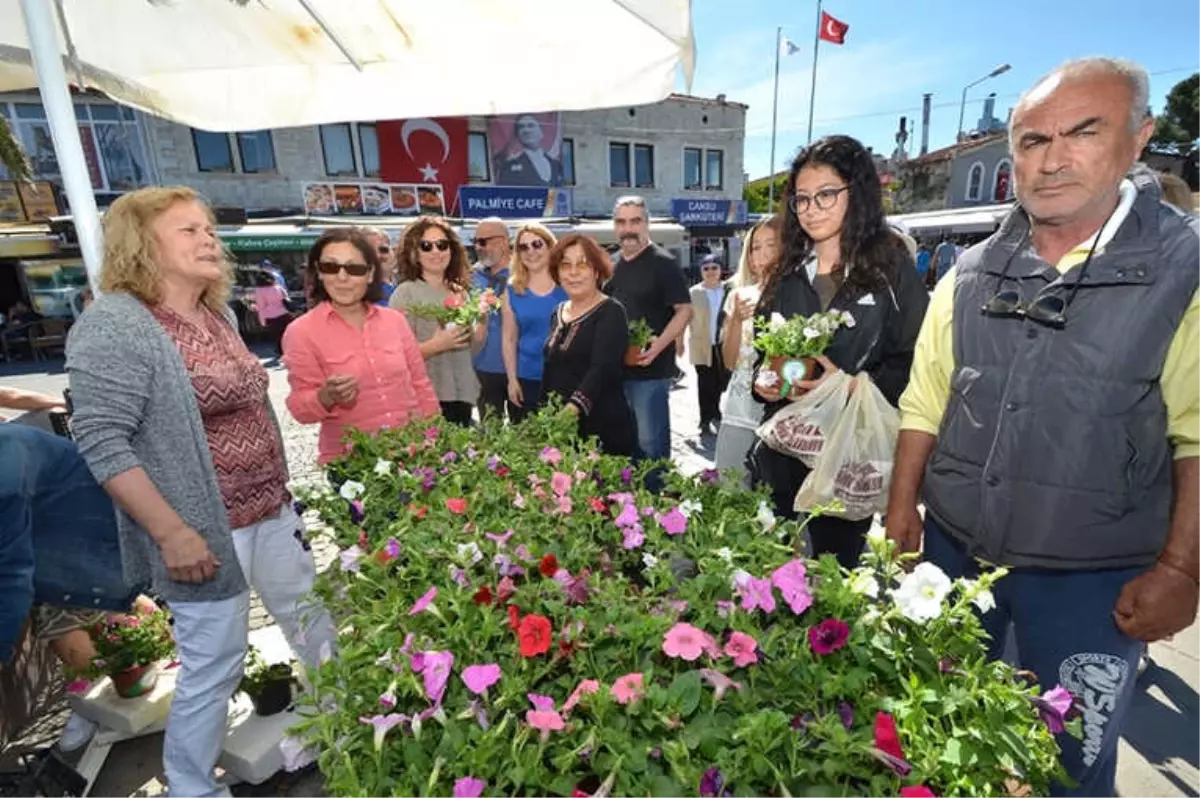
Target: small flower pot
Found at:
135, 681
794, 369
275, 696
633, 354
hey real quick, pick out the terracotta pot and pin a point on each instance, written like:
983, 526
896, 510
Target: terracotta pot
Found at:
798, 368
135, 681
632, 355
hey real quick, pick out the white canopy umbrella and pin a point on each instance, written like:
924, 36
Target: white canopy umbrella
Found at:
253, 64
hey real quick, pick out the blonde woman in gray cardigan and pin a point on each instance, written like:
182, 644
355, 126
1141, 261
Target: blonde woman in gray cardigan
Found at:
171, 414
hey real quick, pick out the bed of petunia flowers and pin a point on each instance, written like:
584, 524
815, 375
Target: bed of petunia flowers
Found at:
518, 616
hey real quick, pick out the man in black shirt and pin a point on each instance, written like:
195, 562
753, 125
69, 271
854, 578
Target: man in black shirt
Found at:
650, 284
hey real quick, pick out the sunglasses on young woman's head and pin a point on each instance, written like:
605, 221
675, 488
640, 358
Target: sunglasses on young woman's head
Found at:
331, 267
535, 244
442, 245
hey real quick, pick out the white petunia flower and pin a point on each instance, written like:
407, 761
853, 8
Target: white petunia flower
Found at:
739, 579
351, 490
877, 533
811, 332
690, 507
767, 378
725, 554
777, 321
984, 600
470, 552
921, 593
848, 318
864, 584
765, 516
649, 560
383, 467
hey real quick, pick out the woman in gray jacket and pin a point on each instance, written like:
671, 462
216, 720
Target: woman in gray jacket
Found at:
172, 416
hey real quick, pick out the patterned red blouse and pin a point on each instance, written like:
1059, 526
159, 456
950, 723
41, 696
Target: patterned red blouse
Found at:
231, 390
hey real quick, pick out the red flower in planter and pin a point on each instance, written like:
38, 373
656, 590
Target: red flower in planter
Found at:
418, 511
456, 506
598, 505
505, 590
514, 617
887, 745
482, 596
502, 471
363, 543
548, 566
535, 635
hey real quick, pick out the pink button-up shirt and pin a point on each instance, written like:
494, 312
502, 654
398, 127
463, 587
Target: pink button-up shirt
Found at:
393, 387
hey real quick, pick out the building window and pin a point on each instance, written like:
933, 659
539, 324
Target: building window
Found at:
714, 169
618, 165
1002, 190
568, 161
479, 169
368, 147
112, 144
337, 145
643, 165
212, 151
693, 179
258, 154
975, 182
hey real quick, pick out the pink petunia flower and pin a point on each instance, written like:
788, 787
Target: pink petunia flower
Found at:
724, 608
1053, 706
469, 787
742, 647
423, 602
541, 703
436, 673
683, 641
674, 522
633, 537
519, 501
719, 681
627, 688
757, 594
478, 678
792, 581
550, 455
560, 483
545, 720
499, 540
586, 687
382, 725
628, 516
565, 505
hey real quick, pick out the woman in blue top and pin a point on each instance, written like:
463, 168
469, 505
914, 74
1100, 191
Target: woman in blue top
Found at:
530, 301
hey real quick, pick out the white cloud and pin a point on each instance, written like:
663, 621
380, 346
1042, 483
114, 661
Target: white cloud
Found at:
857, 79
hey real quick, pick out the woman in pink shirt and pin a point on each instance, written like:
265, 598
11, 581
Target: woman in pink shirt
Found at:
352, 363
270, 303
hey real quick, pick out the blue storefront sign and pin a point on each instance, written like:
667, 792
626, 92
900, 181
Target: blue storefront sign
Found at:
513, 202
708, 212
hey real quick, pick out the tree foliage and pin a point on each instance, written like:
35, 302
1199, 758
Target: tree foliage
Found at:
1179, 124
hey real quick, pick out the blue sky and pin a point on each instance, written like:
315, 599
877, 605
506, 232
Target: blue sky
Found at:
895, 52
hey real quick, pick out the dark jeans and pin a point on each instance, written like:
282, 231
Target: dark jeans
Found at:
457, 413
710, 382
531, 396
275, 328
1065, 634
493, 395
828, 535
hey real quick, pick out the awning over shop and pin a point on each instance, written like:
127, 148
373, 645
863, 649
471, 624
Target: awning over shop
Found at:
257, 242
961, 220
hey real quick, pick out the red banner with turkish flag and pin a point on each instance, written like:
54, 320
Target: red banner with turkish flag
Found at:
425, 151
833, 30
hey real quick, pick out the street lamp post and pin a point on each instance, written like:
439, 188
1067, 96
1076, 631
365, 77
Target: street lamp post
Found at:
962, 108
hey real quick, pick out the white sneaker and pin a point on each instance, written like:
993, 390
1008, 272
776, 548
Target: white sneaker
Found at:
76, 733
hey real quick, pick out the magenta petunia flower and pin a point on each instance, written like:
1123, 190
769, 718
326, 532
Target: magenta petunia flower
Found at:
382, 725
423, 602
478, 678
674, 522
392, 548
627, 688
469, 787
757, 594
828, 636
499, 540
560, 483
436, 674
742, 647
1053, 706
684, 641
628, 516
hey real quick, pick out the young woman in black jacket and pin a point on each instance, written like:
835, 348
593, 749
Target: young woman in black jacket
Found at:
839, 253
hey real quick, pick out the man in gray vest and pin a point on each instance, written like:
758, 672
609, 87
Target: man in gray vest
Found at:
1052, 421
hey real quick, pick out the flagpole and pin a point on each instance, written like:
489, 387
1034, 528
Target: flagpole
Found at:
812, 92
774, 116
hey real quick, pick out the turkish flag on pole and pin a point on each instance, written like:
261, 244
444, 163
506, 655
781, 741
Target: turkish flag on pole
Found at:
833, 30
429, 151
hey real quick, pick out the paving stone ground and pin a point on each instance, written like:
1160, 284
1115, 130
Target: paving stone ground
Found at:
1160, 750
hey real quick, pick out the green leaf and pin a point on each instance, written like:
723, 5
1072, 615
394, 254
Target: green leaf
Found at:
685, 692
952, 754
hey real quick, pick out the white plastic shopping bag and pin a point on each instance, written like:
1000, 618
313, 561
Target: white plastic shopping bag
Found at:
802, 428
855, 466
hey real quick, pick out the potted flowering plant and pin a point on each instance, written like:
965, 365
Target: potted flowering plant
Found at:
640, 336
458, 310
792, 345
128, 649
269, 685
494, 639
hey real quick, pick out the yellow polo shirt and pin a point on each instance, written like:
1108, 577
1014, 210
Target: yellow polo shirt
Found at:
928, 392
